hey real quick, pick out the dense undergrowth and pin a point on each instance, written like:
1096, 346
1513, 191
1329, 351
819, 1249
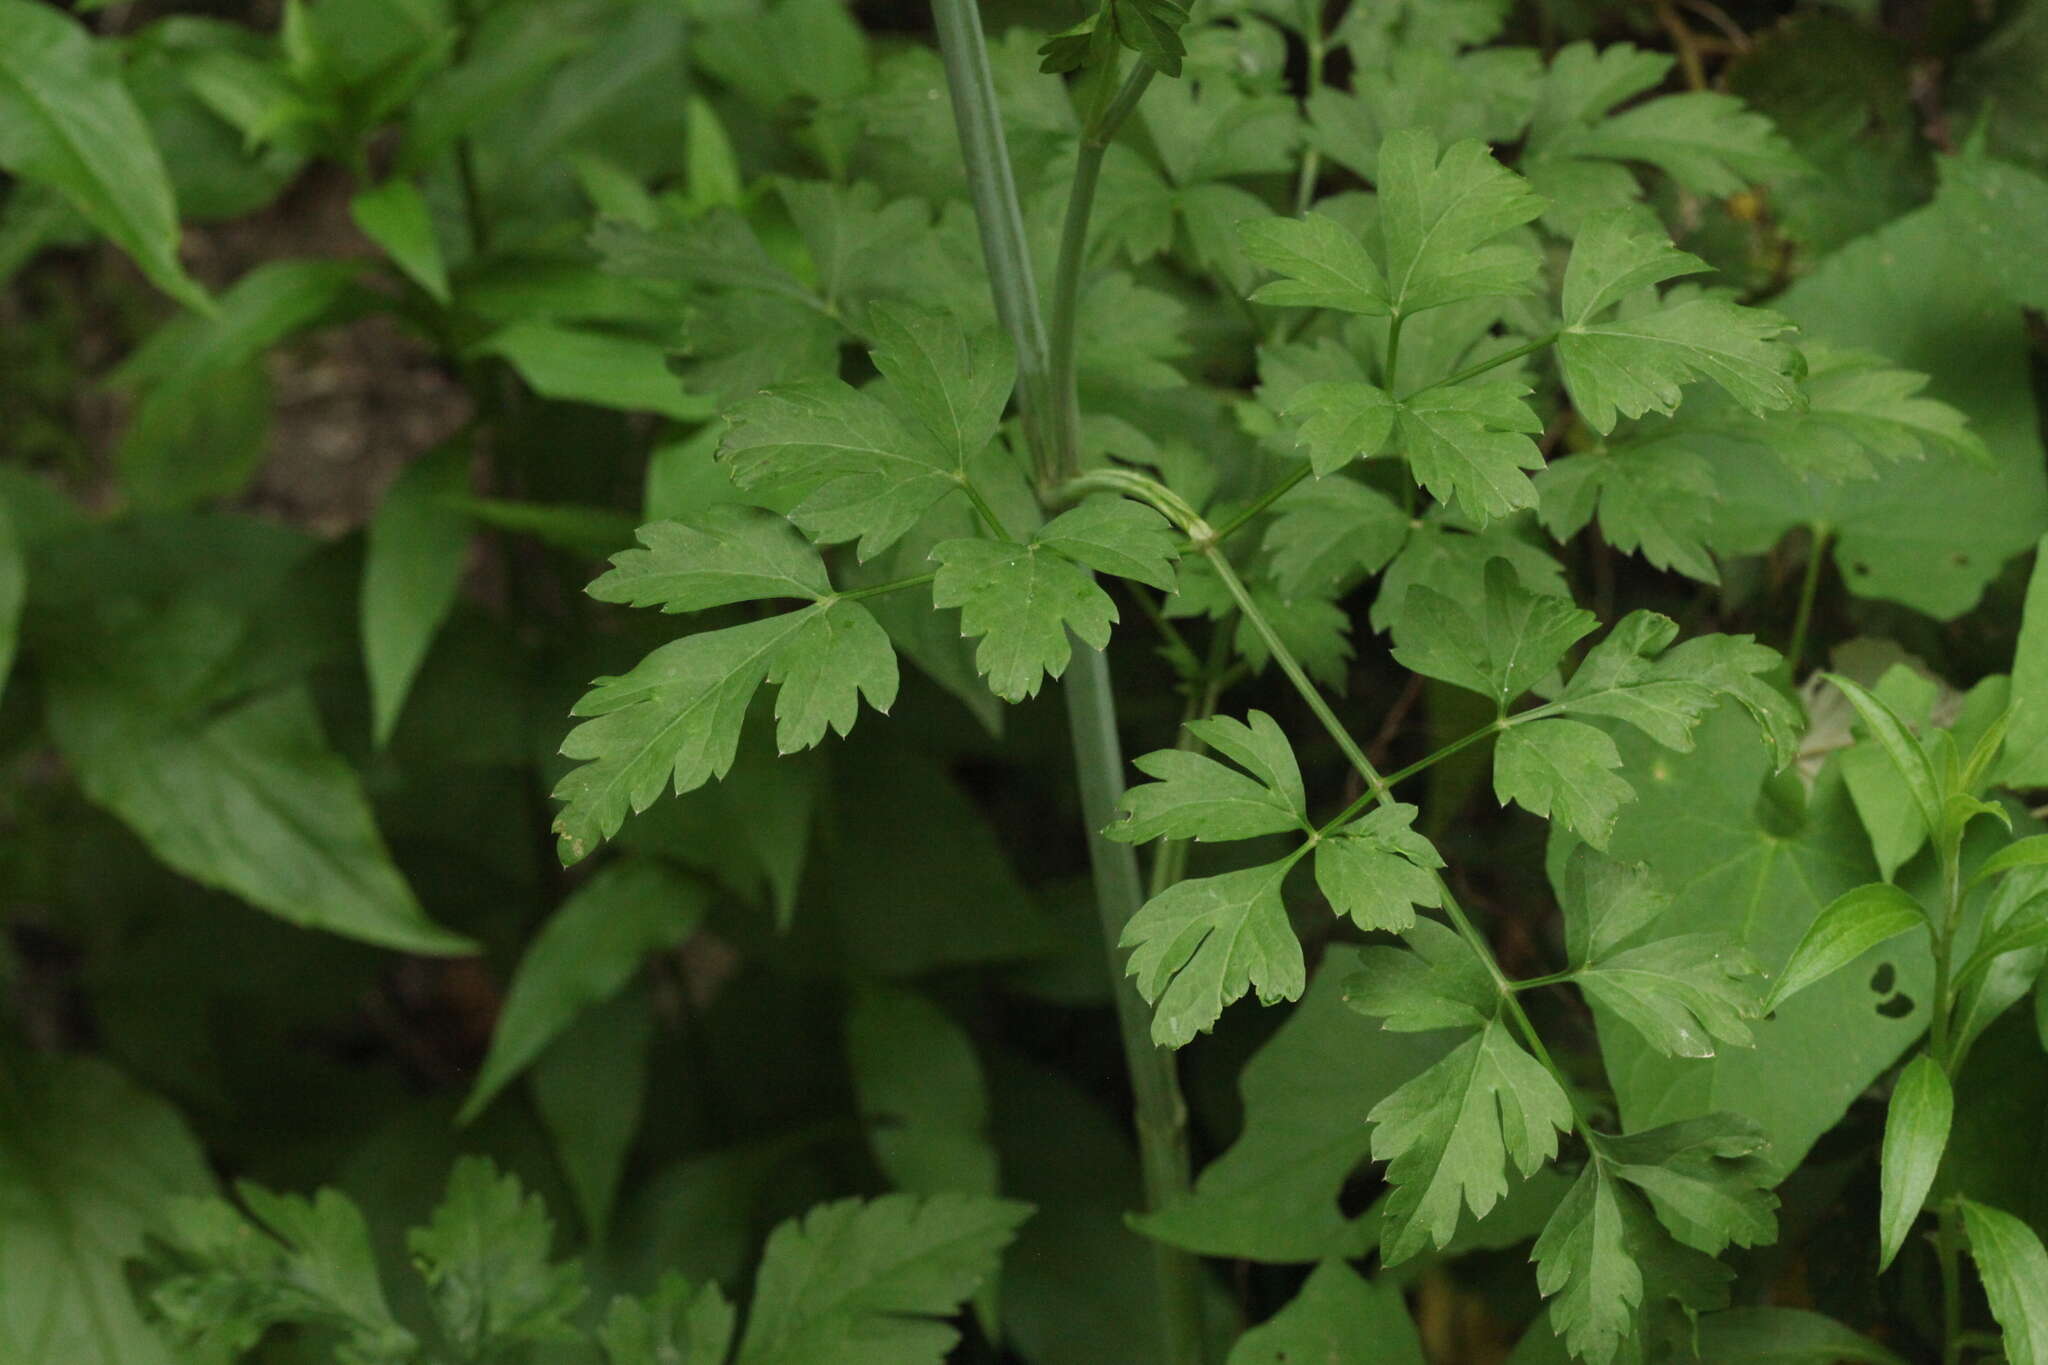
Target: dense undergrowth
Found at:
1547, 493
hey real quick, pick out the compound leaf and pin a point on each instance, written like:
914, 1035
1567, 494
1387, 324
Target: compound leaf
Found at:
1436, 217
1469, 444
1680, 993
1117, 536
1512, 642
1321, 262
677, 1324
1436, 982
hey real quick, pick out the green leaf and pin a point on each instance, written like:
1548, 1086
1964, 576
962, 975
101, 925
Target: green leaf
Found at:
1679, 992
1653, 498
1116, 536
1743, 853
1023, 600
1469, 444
1377, 869
1609, 1270
304, 1262
1512, 644
1613, 256
1996, 206
1851, 925
238, 792
1625, 678
1195, 797
395, 216
579, 365
2014, 1268
2025, 763
1606, 902
675, 718
1562, 768
1703, 1178
2029, 852
1343, 421
954, 386
864, 474
582, 957
1335, 1316
675, 1325
1323, 265
1326, 533
412, 571
721, 555
1705, 140
1206, 941
589, 1089
1906, 291
90, 1165
1860, 409
484, 1256
1909, 759
1635, 364
1437, 982
1449, 1134
921, 1094
1436, 217
67, 121
1273, 1194
862, 1282
1786, 1336
1916, 1128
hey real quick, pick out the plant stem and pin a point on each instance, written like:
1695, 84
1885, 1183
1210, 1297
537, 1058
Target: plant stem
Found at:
1948, 1247
982, 509
1809, 589
1394, 350
1261, 503
1161, 1112
1291, 666
1312, 159
1474, 371
1066, 285
1395, 779
997, 212
882, 589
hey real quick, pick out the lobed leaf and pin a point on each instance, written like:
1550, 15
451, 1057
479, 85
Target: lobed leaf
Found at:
1449, 1134
1377, 869
1206, 941
1023, 600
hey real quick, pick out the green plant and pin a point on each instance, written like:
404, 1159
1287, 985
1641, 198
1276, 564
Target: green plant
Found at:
1143, 363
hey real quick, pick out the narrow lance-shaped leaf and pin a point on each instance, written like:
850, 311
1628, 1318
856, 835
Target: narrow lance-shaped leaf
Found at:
67, 121
2014, 1267
1915, 1134
1851, 925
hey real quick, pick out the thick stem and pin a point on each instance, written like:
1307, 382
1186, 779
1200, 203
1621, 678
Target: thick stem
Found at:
997, 210
1809, 589
1161, 1113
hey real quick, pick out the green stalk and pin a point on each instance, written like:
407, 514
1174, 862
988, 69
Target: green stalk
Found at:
1809, 589
882, 589
1066, 284
1291, 666
997, 212
1474, 371
1161, 1114
1312, 159
1948, 1243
